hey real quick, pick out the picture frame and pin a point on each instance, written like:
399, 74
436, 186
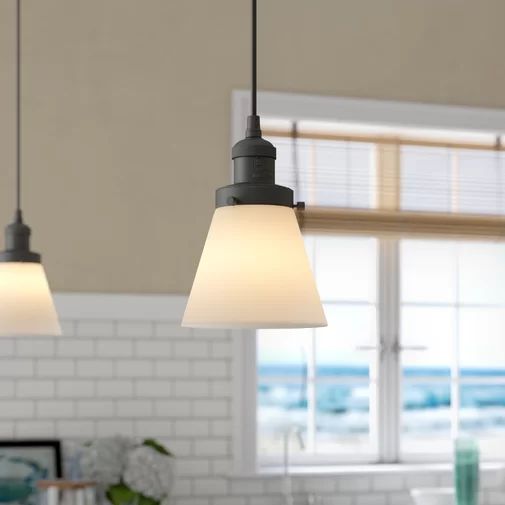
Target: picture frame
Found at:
22, 464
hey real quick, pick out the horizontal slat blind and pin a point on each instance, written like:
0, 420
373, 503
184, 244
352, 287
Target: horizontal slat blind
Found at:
394, 185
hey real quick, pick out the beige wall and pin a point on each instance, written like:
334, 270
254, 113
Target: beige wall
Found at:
127, 107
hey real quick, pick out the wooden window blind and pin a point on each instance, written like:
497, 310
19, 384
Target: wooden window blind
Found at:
439, 184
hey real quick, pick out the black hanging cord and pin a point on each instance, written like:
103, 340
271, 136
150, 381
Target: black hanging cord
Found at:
296, 176
254, 58
18, 107
253, 121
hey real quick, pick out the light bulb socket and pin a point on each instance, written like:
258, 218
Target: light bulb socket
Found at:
254, 173
17, 242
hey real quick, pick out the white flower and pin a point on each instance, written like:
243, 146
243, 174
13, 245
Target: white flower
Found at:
149, 472
104, 460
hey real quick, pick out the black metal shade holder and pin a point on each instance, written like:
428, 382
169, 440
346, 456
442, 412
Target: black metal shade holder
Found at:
254, 157
17, 234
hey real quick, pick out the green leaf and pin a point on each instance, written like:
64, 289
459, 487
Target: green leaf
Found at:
145, 500
150, 442
120, 494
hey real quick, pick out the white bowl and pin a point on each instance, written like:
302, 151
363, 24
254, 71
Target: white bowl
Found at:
433, 496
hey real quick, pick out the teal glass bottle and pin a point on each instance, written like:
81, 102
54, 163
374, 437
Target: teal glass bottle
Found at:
466, 471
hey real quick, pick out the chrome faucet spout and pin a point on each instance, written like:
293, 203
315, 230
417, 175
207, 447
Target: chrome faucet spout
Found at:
288, 485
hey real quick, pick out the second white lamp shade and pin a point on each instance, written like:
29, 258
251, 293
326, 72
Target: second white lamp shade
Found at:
254, 273
26, 304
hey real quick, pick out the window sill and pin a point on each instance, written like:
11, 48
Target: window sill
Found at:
372, 469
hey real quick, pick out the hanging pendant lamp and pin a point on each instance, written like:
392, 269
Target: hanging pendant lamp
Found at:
254, 272
26, 305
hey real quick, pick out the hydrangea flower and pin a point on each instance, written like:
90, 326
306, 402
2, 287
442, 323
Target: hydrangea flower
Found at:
104, 460
149, 472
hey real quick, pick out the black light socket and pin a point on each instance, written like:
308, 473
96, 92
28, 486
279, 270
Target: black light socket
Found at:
254, 173
17, 242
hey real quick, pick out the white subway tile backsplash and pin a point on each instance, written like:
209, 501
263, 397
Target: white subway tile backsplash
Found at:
75, 388
146, 388
388, 482
7, 347
55, 368
222, 349
75, 348
55, 409
134, 408
221, 467
211, 447
100, 329
421, 480
208, 333
354, 484
95, 368
221, 389
191, 349
182, 487
193, 467
114, 427
134, 329
230, 500
76, 429
247, 487
7, 388
191, 388
114, 388
134, 368
171, 330
371, 499
15, 367
6, 429
193, 501
114, 348
35, 429
29, 388
399, 498
210, 486
17, 409
210, 408
34, 347
210, 368
173, 408
319, 485
191, 428
95, 409
172, 368
153, 349
221, 428
153, 428
181, 447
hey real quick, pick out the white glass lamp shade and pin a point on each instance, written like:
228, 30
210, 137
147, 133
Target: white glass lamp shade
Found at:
254, 273
26, 304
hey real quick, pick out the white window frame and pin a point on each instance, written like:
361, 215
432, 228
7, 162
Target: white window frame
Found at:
297, 107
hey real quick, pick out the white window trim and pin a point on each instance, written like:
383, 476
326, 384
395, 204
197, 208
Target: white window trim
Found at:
297, 107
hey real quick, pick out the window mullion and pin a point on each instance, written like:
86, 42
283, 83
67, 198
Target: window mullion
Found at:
389, 390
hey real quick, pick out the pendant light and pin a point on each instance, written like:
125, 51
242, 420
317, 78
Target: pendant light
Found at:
254, 272
26, 305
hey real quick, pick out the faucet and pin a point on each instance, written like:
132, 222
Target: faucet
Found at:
288, 485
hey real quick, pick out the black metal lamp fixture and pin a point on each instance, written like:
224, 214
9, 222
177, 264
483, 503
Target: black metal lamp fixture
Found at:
26, 305
254, 272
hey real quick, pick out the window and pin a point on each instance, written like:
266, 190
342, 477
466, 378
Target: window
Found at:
404, 232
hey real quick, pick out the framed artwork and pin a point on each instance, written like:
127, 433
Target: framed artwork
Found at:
22, 464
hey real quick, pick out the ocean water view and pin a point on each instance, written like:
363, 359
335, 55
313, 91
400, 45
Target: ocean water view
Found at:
343, 408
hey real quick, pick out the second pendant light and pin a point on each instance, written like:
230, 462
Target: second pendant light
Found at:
254, 272
26, 304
